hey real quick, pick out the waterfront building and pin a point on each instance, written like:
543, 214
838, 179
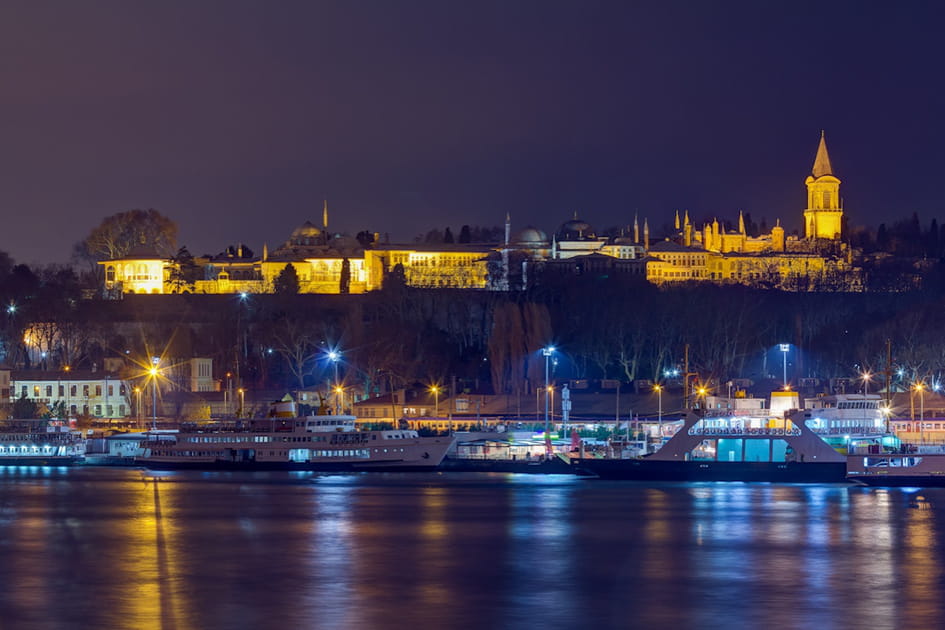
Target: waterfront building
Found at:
73, 392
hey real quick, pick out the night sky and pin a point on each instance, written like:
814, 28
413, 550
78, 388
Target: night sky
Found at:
237, 118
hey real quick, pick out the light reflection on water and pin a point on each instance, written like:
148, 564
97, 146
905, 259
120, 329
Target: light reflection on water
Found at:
121, 548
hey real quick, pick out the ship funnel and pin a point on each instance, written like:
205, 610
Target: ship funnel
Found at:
284, 408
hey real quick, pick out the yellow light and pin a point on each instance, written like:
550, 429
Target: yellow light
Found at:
153, 371
919, 387
339, 390
657, 388
551, 388
434, 389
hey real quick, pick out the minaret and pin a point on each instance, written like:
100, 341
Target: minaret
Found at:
824, 214
508, 228
265, 255
741, 223
325, 216
636, 230
646, 236
687, 231
677, 219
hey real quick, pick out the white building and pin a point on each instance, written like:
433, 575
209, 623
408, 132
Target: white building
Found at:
81, 392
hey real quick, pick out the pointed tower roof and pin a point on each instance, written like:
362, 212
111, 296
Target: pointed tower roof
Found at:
822, 161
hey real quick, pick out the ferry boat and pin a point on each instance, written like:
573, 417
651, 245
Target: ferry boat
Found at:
731, 445
39, 443
850, 421
918, 469
317, 443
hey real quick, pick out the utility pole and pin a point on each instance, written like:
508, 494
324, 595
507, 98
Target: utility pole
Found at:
686, 375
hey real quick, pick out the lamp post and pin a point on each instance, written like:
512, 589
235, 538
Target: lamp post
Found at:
866, 376
138, 405
551, 393
334, 356
547, 352
785, 348
340, 398
155, 361
435, 390
920, 387
659, 395
242, 392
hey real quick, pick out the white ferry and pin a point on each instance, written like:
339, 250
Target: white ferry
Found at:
318, 443
39, 443
849, 421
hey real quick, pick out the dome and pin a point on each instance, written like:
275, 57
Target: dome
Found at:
530, 235
576, 230
307, 229
306, 234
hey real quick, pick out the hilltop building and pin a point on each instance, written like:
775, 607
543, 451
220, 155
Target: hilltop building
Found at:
327, 262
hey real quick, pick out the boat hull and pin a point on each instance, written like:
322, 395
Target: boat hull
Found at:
41, 461
659, 470
300, 466
554, 466
900, 481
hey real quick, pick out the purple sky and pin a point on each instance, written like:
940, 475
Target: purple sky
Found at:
237, 118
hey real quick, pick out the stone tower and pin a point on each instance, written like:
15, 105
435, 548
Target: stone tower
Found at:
824, 213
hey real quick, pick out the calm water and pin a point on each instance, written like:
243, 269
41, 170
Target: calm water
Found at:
116, 548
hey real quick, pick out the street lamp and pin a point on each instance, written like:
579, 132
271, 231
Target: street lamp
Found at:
138, 405
659, 393
919, 387
547, 351
242, 392
153, 371
435, 390
866, 376
339, 396
334, 356
785, 348
551, 392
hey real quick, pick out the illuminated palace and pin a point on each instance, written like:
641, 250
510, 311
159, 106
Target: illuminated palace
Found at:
327, 262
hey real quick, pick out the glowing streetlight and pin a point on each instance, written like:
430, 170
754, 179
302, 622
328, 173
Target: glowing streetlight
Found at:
785, 348
659, 393
138, 405
242, 393
919, 387
435, 390
551, 392
153, 371
339, 398
547, 351
866, 376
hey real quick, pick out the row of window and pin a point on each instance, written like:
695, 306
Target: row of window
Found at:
73, 390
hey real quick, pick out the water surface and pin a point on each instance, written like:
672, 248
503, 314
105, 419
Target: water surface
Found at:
124, 548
